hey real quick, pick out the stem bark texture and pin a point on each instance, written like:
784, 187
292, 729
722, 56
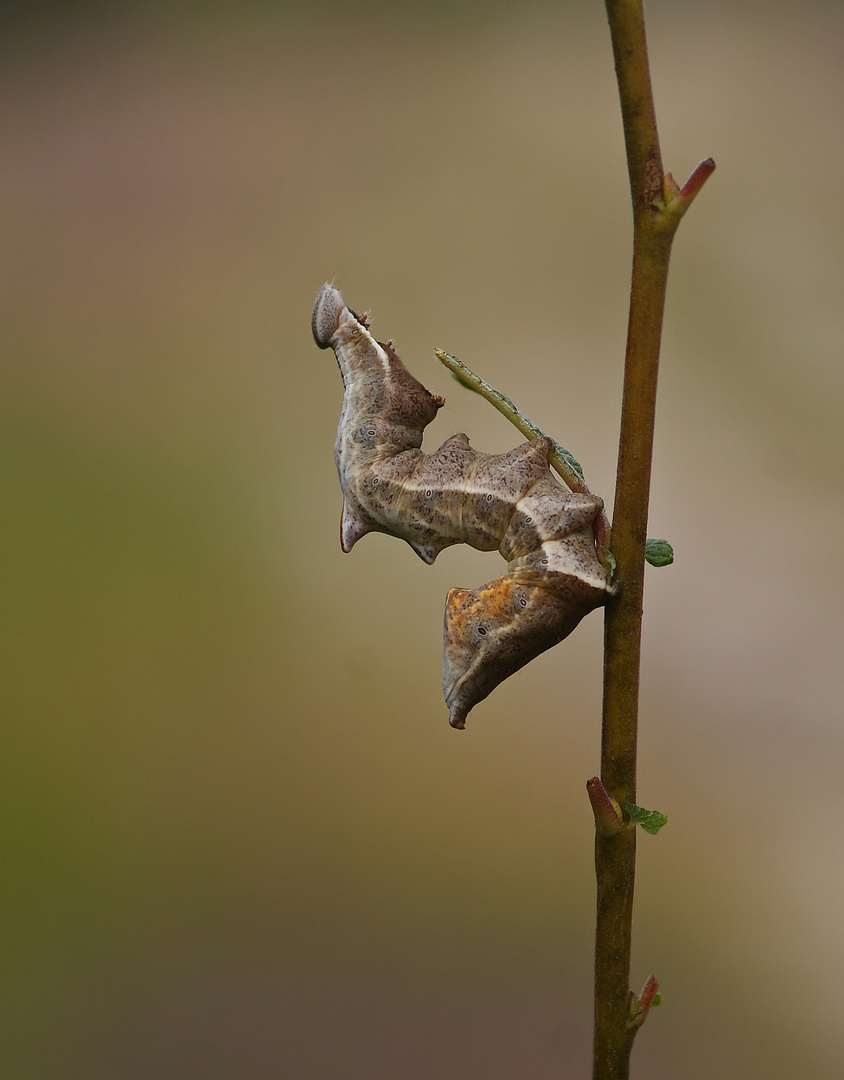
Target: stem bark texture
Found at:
658, 205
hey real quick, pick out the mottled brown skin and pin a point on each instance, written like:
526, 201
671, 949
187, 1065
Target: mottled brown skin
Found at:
509, 502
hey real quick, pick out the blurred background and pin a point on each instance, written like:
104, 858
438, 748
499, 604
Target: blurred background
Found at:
239, 837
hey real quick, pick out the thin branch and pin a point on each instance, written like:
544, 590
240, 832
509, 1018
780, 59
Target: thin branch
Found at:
658, 206
565, 463
560, 459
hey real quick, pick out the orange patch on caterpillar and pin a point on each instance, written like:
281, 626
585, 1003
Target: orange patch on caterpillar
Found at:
494, 601
496, 597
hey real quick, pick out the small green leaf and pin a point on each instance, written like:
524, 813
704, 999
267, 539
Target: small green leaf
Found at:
658, 552
608, 555
656, 1001
650, 820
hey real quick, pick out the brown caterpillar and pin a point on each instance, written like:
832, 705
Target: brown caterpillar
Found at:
509, 502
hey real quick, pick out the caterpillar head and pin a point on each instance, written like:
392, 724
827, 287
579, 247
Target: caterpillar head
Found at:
329, 313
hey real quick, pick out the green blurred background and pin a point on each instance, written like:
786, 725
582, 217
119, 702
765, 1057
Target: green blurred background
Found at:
239, 838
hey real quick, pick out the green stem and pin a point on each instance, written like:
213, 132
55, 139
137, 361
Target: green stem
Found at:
658, 205
564, 462
560, 459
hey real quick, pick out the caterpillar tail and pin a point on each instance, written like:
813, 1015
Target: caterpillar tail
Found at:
492, 632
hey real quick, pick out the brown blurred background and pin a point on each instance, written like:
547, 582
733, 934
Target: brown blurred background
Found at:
239, 838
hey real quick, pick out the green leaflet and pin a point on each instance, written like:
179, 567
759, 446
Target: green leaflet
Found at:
658, 552
650, 820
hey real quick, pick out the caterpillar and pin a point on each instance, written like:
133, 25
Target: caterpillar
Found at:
456, 495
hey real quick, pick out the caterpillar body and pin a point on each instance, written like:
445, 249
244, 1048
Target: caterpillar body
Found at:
507, 502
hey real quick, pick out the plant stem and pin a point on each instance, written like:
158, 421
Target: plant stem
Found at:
658, 205
559, 458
